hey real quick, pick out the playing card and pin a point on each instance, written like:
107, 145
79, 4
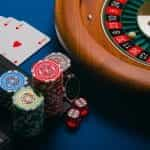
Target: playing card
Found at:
20, 40
8, 24
37, 37
2, 18
5, 23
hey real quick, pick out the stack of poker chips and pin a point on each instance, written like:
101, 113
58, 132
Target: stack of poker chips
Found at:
73, 118
75, 108
71, 82
64, 62
76, 111
28, 112
65, 66
48, 79
10, 82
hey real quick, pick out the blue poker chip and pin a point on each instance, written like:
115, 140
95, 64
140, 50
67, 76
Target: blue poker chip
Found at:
12, 81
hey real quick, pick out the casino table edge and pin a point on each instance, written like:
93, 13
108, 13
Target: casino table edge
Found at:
113, 64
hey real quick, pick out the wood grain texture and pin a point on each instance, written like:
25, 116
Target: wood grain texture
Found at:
86, 41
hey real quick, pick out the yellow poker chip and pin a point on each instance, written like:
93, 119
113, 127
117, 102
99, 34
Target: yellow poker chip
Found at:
26, 99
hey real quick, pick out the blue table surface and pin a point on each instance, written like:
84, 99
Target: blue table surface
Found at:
95, 133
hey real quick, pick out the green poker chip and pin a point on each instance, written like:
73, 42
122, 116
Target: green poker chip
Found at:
28, 112
12, 81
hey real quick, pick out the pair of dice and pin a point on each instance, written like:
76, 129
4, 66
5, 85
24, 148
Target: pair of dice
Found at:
79, 110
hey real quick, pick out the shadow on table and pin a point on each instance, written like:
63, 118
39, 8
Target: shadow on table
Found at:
123, 108
35, 143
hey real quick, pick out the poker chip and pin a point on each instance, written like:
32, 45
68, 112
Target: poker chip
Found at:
11, 81
73, 118
61, 59
48, 79
81, 102
73, 113
28, 112
82, 105
72, 87
46, 71
26, 99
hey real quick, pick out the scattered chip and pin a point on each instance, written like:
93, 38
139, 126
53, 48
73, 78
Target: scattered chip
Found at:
73, 118
82, 105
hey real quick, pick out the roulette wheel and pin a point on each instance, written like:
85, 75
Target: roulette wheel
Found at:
109, 36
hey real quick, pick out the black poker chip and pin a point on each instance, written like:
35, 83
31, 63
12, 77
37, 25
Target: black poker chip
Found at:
72, 87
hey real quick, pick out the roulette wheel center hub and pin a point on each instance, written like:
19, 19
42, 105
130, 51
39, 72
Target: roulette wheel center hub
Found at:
143, 18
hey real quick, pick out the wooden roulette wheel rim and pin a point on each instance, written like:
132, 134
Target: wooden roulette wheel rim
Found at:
80, 27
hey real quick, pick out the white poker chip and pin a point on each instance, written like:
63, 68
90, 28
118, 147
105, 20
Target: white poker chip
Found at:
81, 102
73, 113
61, 59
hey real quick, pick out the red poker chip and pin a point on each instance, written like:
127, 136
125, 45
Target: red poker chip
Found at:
46, 71
72, 124
84, 112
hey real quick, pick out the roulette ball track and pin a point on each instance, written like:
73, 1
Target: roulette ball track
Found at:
110, 37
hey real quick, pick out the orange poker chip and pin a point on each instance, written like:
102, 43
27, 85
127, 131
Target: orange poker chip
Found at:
46, 71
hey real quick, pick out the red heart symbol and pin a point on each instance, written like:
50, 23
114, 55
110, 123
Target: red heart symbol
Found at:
17, 44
